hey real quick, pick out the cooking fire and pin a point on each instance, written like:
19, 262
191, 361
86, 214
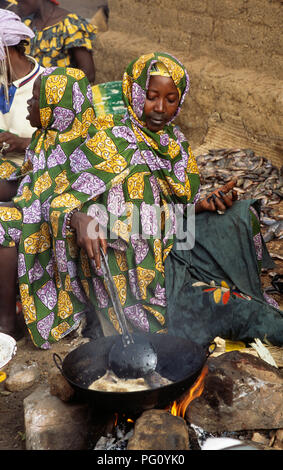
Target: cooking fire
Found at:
179, 407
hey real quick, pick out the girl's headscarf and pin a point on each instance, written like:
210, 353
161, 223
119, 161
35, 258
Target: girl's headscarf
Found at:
66, 110
136, 79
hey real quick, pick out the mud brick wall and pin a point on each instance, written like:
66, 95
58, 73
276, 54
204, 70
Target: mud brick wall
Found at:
241, 33
233, 51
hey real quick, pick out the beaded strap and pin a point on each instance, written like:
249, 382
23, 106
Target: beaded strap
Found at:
68, 220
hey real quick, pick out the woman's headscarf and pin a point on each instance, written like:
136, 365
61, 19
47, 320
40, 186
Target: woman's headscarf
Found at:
12, 31
169, 147
136, 79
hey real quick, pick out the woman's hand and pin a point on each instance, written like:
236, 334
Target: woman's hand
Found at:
16, 144
218, 200
89, 235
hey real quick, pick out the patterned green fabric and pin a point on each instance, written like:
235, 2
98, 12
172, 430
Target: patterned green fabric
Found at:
142, 171
114, 169
50, 306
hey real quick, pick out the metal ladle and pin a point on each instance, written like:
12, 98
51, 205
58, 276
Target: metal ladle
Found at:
130, 356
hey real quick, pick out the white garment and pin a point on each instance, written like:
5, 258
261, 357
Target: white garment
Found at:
15, 120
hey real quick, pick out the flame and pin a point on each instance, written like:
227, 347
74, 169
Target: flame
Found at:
179, 408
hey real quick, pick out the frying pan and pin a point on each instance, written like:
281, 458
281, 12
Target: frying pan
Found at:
178, 360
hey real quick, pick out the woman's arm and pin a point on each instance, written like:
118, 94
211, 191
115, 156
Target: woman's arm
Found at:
84, 60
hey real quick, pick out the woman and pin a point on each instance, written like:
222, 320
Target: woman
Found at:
117, 190
199, 292
61, 38
18, 73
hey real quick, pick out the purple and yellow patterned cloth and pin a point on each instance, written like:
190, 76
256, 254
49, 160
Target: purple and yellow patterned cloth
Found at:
50, 306
113, 168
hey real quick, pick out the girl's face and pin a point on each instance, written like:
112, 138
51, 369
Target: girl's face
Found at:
33, 106
161, 104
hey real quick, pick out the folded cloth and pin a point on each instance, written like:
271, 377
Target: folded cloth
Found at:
215, 288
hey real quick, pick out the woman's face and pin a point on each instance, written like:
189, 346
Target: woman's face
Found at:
161, 104
33, 106
27, 7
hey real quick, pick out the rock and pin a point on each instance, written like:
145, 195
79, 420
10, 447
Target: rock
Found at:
21, 377
260, 438
51, 424
241, 392
59, 386
151, 432
277, 439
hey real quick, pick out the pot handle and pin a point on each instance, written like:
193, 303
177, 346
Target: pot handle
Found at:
58, 364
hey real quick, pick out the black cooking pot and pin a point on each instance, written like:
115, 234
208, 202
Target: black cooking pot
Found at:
179, 360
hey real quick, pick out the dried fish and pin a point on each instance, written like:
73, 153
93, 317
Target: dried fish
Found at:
267, 221
275, 231
257, 177
276, 256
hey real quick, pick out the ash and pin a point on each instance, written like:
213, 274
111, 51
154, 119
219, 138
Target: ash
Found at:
116, 441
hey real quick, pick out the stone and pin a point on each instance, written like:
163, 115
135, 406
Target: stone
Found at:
260, 438
59, 386
159, 430
51, 424
277, 439
21, 377
241, 392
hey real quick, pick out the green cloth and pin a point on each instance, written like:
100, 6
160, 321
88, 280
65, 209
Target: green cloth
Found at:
115, 169
228, 253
